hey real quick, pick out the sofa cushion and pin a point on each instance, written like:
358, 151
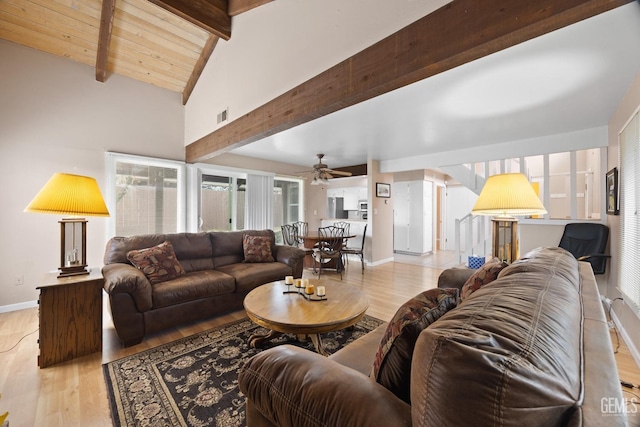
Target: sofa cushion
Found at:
483, 276
227, 245
392, 365
192, 286
248, 276
257, 248
158, 263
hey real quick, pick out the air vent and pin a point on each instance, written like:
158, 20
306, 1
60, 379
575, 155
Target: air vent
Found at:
223, 115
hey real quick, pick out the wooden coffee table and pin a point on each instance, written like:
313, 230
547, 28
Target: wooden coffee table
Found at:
291, 313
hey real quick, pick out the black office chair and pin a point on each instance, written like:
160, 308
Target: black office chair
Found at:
587, 242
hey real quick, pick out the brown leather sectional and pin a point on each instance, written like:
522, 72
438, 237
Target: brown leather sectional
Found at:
531, 348
216, 279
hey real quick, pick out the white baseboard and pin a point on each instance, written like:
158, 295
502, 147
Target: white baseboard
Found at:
382, 261
19, 306
626, 338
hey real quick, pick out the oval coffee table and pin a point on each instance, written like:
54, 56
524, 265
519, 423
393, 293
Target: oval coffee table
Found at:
291, 313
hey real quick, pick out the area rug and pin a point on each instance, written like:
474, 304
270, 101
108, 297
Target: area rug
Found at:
194, 381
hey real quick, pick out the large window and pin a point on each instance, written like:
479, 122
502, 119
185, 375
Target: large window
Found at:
147, 195
628, 264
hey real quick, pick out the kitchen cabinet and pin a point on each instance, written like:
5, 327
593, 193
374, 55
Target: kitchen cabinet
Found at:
351, 196
413, 217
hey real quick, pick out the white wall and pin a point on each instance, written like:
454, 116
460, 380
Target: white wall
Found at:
282, 44
55, 117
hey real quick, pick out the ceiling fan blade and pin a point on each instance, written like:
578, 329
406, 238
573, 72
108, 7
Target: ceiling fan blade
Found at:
339, 173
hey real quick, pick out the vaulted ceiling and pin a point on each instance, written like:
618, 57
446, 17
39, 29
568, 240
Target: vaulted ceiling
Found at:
162, 42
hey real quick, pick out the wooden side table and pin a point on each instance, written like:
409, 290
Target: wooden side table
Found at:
70, 317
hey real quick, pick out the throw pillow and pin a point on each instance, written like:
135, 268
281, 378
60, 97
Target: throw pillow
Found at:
257, 248
485, 275
392, 365
158, 263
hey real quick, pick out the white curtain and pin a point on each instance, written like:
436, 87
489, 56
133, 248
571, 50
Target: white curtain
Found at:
259, 202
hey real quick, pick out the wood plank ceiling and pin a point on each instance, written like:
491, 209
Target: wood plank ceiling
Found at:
162, 42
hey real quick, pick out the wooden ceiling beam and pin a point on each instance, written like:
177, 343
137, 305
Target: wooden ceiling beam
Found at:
236, 7
457, 33
210, 15
104, 39
207, 50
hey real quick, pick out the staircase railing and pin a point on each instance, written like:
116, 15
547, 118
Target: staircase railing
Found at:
472, 237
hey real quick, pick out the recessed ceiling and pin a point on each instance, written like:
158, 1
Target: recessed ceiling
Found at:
568, 80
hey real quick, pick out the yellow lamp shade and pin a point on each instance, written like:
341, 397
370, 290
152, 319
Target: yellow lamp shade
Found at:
508, 194
67, 194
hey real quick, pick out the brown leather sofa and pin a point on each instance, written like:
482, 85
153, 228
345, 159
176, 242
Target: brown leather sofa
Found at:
531, 348
216, 279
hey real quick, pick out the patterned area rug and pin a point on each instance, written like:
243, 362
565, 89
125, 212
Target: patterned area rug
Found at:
194, 381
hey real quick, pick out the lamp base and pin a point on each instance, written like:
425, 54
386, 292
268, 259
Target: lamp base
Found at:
73, 271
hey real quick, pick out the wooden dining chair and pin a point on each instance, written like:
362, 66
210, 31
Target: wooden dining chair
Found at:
329, 248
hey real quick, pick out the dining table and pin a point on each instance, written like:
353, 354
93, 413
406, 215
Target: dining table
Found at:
310, 241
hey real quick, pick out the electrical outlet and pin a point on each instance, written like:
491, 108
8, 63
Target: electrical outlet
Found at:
19, 280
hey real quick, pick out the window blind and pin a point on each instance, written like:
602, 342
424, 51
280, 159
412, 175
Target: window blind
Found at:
259, 202
628, 264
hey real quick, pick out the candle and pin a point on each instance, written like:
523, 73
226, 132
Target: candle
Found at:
309, 289
320, 291
288, 280
298, 283
305, 282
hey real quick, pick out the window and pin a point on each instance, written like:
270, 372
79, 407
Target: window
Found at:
628, 264
147, 195
222, 203
287, 201
568, 183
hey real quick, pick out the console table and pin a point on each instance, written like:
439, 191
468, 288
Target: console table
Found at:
70, 317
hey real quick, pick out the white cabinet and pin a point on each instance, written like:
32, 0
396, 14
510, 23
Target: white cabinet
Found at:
351, 199
350, 195
413, 217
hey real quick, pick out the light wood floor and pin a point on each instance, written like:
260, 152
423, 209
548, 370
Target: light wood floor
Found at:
74, 393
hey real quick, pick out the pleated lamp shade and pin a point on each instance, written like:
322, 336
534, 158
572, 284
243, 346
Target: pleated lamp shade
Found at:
67, 194
508, 194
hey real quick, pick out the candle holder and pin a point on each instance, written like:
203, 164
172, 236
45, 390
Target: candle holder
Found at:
301, 290
309, 297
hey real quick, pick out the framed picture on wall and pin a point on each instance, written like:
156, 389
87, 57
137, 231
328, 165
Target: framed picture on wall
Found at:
612, 192
383, 190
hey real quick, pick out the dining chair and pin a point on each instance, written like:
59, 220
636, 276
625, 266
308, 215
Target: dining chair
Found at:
289, 235
346, 226
302, 230
357, 251
329, 248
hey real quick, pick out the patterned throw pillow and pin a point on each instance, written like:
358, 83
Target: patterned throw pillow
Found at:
485, 275
392, 365
158, 263
257, 248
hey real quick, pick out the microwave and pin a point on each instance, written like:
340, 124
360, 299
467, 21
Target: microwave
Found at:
363, 206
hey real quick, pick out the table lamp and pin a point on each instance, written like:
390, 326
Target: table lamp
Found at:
76, 196
507, 195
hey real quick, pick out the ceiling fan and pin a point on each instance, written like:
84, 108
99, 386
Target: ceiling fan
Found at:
322, 174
